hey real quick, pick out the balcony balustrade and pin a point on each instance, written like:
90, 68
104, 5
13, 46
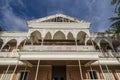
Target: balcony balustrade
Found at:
109, 54
116, 54
80, 50
57, 48
9, 54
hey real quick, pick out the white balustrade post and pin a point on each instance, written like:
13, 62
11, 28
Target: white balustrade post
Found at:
80, 70
7, 70
101, 70
92, 72
24, 73
37, 70
14, 70
76, 43
42, 42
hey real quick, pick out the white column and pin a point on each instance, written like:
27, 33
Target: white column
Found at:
31, 40
80, 70
111, 45
107, 68
99, 61
5, 41
14, 70
37, 70
42, 41
24, 42
24, 73
92, 72
101, 70
3, 46
7, 70
76, 43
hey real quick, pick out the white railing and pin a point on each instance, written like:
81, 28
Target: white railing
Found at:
109, 53
116, 54
106, 54
85, 50
57, 48
94, 79
58, 55
8, 54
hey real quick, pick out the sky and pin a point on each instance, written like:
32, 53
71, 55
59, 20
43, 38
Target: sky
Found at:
15, 13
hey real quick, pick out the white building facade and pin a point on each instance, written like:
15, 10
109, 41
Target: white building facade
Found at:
59, 47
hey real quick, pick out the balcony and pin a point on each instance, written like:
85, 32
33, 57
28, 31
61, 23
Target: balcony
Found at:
9, 55
57, 48
116, 54
58, 55
109, 54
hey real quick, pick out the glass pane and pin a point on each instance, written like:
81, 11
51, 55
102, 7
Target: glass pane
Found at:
93, 75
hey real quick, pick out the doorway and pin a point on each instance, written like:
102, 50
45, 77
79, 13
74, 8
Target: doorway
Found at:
58, 72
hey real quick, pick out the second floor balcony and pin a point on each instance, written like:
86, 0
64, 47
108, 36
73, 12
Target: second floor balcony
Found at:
16, 53
57, 48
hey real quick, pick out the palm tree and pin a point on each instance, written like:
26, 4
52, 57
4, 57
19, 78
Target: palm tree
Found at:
116, 20
117, 6
1, 28
116, 24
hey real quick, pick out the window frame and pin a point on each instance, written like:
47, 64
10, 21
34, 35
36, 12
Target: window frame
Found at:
98, 77
116, 72
111, 74
18, 74
11, 71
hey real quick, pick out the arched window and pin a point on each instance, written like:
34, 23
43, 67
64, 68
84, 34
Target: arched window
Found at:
36, 37
105, 46
6, 48
116, 45
89, 42
10, 45
81, 38
70, 36
118, 48
1, 43
48, 39
59, 36
48, 36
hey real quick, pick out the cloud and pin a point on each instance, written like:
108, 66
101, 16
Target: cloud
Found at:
96, 11
13, 22
10, 21
99, 14
99, 24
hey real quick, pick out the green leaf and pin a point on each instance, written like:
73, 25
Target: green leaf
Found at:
116, 24
114, 18
119, 11
118, 2
113, 2
0, 28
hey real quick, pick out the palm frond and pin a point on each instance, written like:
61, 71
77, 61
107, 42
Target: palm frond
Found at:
118, 2
115, 18
113, 2
119, 11
116, 23
1, 28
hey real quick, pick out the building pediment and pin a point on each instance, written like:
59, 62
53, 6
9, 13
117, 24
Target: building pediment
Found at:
58, 21
57, 18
